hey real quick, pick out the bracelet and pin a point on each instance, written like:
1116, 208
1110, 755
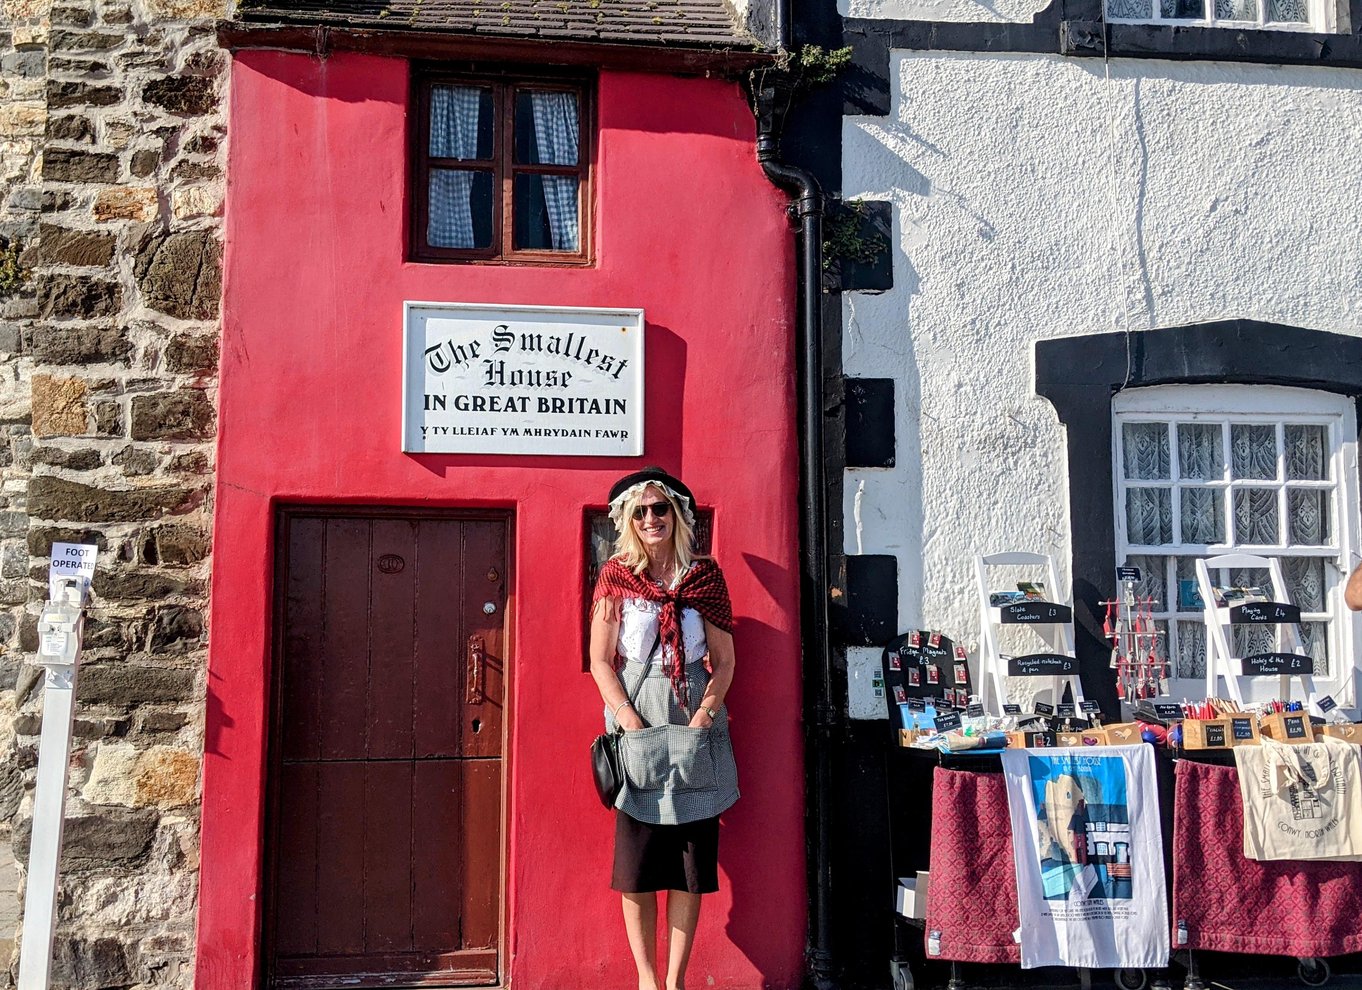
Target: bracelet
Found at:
713, 715
616, 713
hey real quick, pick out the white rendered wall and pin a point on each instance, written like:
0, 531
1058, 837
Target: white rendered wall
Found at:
1036, 198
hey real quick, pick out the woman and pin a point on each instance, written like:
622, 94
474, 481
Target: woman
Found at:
662, 657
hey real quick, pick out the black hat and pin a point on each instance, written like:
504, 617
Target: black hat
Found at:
652, 473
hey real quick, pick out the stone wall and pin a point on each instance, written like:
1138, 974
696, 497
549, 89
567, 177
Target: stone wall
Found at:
111, 156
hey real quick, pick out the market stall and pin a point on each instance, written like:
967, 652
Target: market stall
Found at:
1059, 838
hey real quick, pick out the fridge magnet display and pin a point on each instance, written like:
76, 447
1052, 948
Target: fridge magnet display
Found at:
900, 695
961, 673
915, 676
933, 675
895, 661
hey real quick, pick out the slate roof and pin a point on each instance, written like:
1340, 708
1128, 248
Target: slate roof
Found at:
686, 23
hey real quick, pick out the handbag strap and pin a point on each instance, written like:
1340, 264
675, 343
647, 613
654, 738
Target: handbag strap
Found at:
643, 675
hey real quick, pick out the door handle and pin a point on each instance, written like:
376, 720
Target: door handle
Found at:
476, 659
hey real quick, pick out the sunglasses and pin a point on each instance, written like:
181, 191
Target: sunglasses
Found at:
660, 510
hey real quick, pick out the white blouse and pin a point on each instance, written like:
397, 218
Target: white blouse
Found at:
638, 630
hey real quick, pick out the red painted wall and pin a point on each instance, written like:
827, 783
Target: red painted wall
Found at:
687, 228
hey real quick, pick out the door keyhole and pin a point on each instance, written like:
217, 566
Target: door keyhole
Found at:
477, 725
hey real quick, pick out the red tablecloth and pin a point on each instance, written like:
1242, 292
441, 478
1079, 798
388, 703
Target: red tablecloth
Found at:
972, 896
1233, 904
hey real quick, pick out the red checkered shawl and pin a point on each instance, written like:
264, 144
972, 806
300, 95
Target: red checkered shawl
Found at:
702, 588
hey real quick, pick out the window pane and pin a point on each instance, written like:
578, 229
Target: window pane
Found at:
1130, 8
460, 209
1255, 516
1191, 659
1201, 452
1252, 577
1305, 582
1306, 453
1183, 8
461, 122
1146, 450
1308, 512
1153, 579
1248, 640
1189, 594
1203, 515
1253, 452
546, 128
1288, 11
546, 213
1149, 516
1315, 639
1236, 10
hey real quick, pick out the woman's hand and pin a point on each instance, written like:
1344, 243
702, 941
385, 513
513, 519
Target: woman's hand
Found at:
701, 719
628, 720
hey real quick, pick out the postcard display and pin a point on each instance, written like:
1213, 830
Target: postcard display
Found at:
1050, 621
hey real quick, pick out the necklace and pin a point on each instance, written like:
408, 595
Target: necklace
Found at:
663, 582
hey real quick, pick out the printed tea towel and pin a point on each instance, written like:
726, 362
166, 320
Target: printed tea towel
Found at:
1301, 801
1089, 857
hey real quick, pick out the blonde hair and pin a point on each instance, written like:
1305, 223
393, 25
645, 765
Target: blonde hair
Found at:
629, 548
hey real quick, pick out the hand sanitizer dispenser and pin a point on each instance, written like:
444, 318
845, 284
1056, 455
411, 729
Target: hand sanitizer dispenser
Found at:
60, 625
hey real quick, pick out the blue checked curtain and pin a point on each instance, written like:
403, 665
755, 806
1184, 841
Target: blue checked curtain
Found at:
556, 135
453, 134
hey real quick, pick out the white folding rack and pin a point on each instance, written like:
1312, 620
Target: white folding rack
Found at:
1051, 621
1289, 660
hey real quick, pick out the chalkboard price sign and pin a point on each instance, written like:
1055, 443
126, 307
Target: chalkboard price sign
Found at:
1065, 711
1011, 709
1327, 704
1127, 574
1091, 707
917, 705
975, 709
1263, 664
1241, 726
945, 722
1167, 710
1035, 613
1042, 665
1260, 612
1043, 709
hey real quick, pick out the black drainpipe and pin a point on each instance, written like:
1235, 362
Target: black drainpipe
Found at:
807, 210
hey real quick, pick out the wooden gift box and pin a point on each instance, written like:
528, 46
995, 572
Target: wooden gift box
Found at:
1123, 733
1288, 727
1030, 740
1347, 731
1209, 733
1086, 737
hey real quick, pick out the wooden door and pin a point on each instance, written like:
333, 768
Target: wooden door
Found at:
386, 815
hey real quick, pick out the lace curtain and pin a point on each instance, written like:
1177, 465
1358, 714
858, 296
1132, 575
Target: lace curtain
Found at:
557, 138
454, 119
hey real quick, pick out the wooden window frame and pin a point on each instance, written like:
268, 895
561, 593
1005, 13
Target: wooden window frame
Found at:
503, 168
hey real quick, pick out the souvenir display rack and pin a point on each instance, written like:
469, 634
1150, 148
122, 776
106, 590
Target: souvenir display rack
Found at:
1288, 660
1050, 620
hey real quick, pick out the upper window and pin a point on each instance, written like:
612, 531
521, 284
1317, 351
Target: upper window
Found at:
1207, 470
1291, 15
501, 171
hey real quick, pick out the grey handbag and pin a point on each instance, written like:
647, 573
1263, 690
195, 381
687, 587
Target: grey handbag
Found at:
606, 770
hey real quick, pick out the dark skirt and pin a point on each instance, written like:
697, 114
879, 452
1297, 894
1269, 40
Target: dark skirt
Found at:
665, 857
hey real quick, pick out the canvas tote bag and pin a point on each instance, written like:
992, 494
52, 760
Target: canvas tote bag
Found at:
1301, 802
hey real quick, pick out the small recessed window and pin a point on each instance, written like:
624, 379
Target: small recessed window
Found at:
1288, 15
502, 171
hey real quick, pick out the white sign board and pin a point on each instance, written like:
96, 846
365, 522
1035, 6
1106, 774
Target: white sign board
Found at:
71, 560
522, 380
